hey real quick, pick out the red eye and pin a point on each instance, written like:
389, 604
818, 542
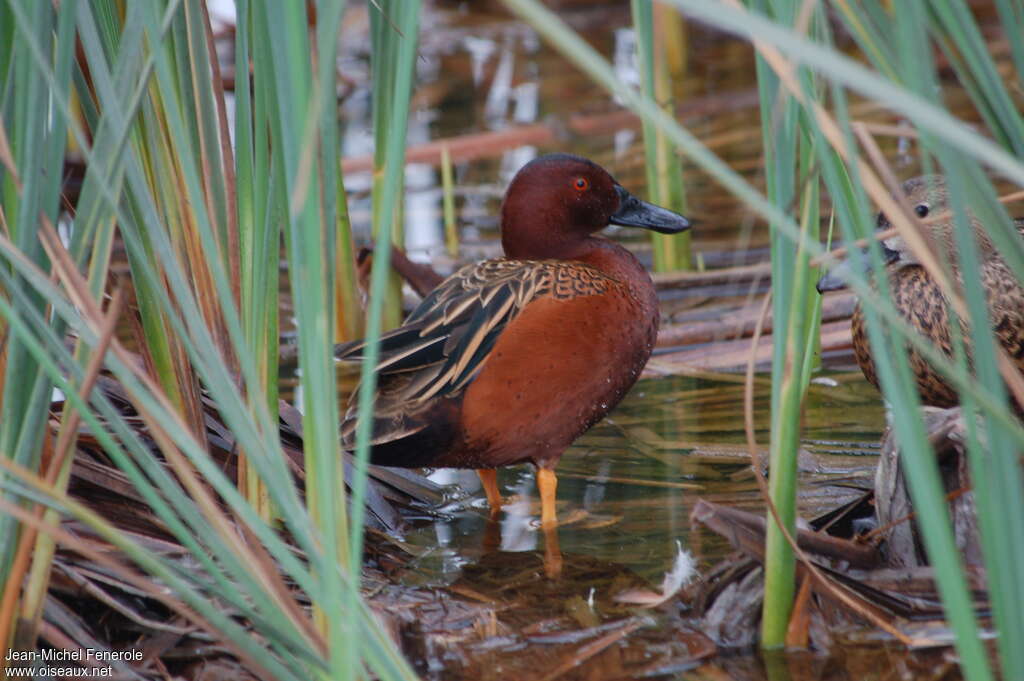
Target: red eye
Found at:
581, 184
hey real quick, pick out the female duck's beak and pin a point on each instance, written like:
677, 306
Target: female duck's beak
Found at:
633, 212
837, 277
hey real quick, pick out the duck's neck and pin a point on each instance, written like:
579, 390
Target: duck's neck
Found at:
598, 252
612, 259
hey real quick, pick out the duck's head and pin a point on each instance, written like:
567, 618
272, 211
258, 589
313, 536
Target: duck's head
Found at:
555, 202
928, 196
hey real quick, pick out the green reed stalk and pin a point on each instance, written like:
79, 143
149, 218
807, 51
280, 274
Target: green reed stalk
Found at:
310, 245
30, 191
955, 30
995, 466
795, 298
348, 307
400, 49
259, 237
451, 231
348, 299
392, 70
1011, 12
159, 168
660, 40
792, 178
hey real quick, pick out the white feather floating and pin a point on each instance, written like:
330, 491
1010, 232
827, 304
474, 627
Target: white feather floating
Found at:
683, 570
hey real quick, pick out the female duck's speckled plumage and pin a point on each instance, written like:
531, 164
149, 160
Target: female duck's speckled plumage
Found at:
510, 360
919, 299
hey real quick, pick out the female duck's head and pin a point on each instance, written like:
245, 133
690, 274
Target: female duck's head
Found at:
928, 197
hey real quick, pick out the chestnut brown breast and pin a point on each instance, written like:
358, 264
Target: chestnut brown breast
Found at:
510, 361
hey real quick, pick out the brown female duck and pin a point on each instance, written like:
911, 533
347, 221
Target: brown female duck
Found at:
919, 299
510, 360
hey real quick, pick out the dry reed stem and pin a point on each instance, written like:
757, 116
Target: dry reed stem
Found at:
157, 592
8, 160
249, 554
591, 649
228, 161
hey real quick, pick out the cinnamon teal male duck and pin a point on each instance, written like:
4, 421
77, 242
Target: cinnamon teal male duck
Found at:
510, 360
920, 300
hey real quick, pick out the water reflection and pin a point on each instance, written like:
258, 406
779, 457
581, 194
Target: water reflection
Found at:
626, 488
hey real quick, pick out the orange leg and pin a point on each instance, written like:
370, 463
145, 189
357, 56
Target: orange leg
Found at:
489, 478
547, 483
492, 535
552, 553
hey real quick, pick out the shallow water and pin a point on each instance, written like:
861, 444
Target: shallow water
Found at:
626, 488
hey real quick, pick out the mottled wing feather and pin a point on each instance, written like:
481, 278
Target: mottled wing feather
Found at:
411, 357
480, 334
444, 342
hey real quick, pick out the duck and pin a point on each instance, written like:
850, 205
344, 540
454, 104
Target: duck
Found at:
510, 360
920, 301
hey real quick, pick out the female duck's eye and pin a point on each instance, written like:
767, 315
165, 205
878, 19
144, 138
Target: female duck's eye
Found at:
921, 209
581, 184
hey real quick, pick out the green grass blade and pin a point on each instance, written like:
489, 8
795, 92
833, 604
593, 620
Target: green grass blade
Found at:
954, 25
1011, 15
403, 43
653, 23
996, 468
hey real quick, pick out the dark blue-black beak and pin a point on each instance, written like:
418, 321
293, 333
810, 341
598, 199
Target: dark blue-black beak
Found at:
633, 212
836, 278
